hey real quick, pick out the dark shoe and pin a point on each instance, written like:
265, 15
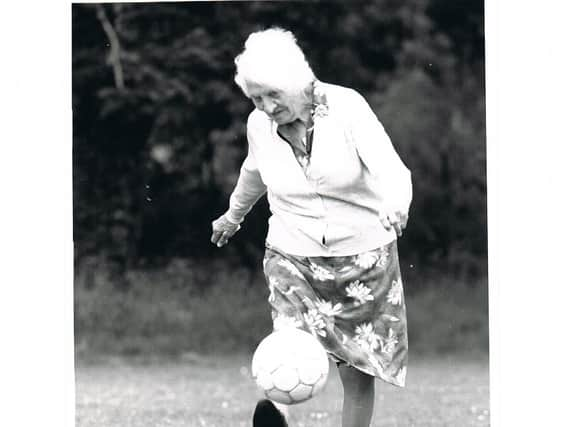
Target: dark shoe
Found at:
267, 415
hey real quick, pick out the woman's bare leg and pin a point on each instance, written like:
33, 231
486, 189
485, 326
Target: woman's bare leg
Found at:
358, 397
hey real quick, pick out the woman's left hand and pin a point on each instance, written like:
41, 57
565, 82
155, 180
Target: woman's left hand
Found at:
394, 219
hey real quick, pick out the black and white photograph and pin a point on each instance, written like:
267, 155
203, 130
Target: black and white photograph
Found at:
280, 214
283, 213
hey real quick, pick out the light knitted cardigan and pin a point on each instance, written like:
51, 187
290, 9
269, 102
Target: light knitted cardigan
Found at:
332, 207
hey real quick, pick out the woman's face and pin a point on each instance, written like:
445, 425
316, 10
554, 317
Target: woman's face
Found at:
278, 105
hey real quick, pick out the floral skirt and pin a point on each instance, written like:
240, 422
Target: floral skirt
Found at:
354, 305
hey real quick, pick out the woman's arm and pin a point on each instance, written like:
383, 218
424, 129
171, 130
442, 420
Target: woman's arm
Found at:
247, 191
379, 156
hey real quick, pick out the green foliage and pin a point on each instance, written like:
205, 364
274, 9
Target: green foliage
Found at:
156, 156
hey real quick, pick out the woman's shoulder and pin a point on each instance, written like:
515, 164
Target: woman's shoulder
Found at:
258, 122
340, 97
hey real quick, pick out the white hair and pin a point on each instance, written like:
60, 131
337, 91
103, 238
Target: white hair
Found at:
273, 58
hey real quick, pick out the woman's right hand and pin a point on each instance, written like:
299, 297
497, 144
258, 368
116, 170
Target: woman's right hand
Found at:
223, 230
393, 219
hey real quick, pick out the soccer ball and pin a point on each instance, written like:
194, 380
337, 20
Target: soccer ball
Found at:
290, 366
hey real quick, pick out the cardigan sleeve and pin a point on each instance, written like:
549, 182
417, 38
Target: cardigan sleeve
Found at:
377, 153
248, 190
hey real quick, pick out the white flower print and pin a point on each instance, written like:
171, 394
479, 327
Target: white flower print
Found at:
309, 303
292, 269
272, 284
320, 106
314, 321
401, 376
375, 363
285, 321
366, 259
389, 343
291, 290
359, 292
321, 273
383, 257
394, 296
366, 337
275, 284
320, 110
327, 309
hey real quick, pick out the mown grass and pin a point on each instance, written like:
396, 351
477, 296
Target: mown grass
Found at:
217, 391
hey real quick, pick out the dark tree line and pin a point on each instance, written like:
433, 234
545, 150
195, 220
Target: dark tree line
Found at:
159, 125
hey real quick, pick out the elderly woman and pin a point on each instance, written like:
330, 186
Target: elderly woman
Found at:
339, 195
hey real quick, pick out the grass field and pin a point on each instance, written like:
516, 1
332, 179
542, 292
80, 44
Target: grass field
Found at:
215, 391
166, 340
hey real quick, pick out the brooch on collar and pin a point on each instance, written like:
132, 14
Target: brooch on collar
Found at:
320, 107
